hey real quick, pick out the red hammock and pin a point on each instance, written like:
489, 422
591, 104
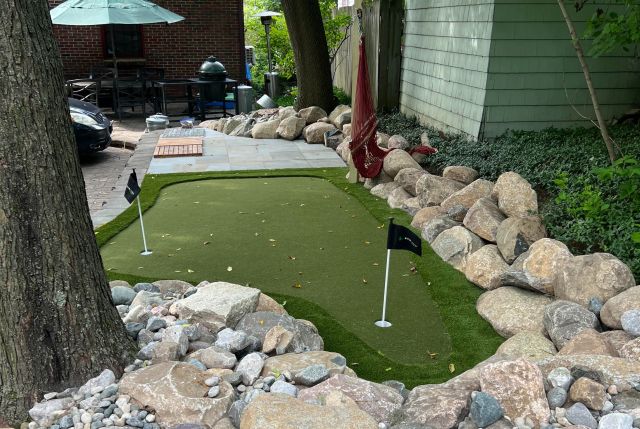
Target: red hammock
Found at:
366, 154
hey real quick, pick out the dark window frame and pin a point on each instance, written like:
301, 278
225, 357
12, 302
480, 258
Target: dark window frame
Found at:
106, 41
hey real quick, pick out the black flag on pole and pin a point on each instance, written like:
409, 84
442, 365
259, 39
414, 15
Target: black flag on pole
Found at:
133, 189
402, 238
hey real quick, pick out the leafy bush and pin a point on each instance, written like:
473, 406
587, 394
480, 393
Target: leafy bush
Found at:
600, 211
289, 97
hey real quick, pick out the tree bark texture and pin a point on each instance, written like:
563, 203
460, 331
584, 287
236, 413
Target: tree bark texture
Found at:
604, 131
311, 54
58, 325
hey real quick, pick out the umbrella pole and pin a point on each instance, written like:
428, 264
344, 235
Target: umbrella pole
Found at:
115, 74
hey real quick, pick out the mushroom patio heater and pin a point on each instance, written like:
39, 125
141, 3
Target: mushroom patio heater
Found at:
271, 78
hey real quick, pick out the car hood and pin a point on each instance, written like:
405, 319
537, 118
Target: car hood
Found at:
78, 105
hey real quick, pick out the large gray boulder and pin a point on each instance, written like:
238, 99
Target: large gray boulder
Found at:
511, 310
432, 229
396, 160
305, 337
433, 190
312, 114
545, 262
484, 218
337, 111
515, 196
485, 266
291, 128
615, 307
398, 142
397, 197
460, 173
516, 234
314, 133
436, 406
530, 345
563, 320
455, 245
232, 124
408, 177
600, 275
296, 362
426, 214
122, 295
217, 305
467, 196
266, 130
383, 190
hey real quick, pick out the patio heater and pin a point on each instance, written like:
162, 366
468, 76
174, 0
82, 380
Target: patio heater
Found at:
271, 78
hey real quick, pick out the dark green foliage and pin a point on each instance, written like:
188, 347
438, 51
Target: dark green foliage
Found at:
289, 98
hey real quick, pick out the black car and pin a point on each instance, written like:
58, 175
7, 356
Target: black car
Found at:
91, 128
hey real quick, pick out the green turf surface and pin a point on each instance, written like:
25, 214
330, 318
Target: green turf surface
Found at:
299, 236
433, 310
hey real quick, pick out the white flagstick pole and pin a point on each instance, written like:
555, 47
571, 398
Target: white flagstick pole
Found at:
383, 323
144, 239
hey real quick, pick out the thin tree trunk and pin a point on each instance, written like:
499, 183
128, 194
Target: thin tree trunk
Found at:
58, 326
311, 54
587, 77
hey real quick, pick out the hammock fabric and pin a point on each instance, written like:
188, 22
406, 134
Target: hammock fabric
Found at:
366, 154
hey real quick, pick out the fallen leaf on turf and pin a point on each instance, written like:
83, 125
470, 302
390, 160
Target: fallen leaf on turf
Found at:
190, 271
177, 271
179, 248
263, 221
110, 269
367, 242
256, 234
297, 286
140, 268
206, 243
171, 254
354, 363
196, 202
229, 268
388, 369
432, 355
272, 240
242, 212
211, 235
380, 353
300, 273
284, 303
428, 283
330, 231
375, 264
364, 280
293, 258
381, 226
452, 368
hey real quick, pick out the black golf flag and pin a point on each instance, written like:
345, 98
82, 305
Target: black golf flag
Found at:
133, 189
402, 238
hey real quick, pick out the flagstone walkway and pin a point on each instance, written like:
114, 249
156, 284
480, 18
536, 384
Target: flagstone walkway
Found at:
220, 153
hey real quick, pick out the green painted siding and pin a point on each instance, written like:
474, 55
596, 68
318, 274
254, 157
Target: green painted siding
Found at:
535, 77
445, 61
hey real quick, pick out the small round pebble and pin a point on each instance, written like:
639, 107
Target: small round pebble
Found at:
150, 418
557, 397
213, 392
212, 381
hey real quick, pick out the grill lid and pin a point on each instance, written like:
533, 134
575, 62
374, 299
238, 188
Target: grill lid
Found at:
212, 67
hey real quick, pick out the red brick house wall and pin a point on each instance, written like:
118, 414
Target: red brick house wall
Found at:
210, 27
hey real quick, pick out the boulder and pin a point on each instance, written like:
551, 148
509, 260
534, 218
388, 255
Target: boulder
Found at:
333, 139
397, 197
277, 339
545, 261
210, 124
411, 206
408, 177
433, 190
346, 130
232, 124
515, 196
424, 215
588, 342
521, 280
343, 120
177, 392
460, 173
244, 129
467, 196
484, 218
250, 368
457, 213
291, 128
435, 406
286, 112
600, 275
435, 226
398, 142
396, 160
511, 310
122, 295
455, 245
369, 183
232, 341
305, 337
580, 416
621, 372
220, 124
312, 114
516, 234
630, 321
266, 130
378, 400
485, 266
314, 133
172, 287
337, 111
296, 362
266, 303
283, 411
589, 392
564, 320
218, 304
631, 350
529, 345
215, 357
518, 386
343, 150
145, 298
485, 410
614, 308
617, 339
382, 139
383, 190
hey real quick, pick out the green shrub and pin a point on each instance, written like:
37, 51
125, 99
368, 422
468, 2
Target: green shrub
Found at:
289, 97
600, 211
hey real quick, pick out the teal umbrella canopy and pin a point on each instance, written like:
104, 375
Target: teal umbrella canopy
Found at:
102, 12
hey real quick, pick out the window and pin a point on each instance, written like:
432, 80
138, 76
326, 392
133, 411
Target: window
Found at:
128, 40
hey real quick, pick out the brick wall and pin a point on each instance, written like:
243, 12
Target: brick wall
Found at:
210, 27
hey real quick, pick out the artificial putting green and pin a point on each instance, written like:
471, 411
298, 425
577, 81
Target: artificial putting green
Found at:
333, 230
299, 236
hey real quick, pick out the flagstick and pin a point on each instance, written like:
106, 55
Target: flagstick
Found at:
383, 323
144, 239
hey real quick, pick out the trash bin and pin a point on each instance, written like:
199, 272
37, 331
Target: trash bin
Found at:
212, 70
245, 99
272, 85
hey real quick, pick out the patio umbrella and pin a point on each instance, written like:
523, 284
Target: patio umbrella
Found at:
111, 12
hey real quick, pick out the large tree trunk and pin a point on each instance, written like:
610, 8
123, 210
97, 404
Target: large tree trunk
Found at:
58, 326
311, 54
